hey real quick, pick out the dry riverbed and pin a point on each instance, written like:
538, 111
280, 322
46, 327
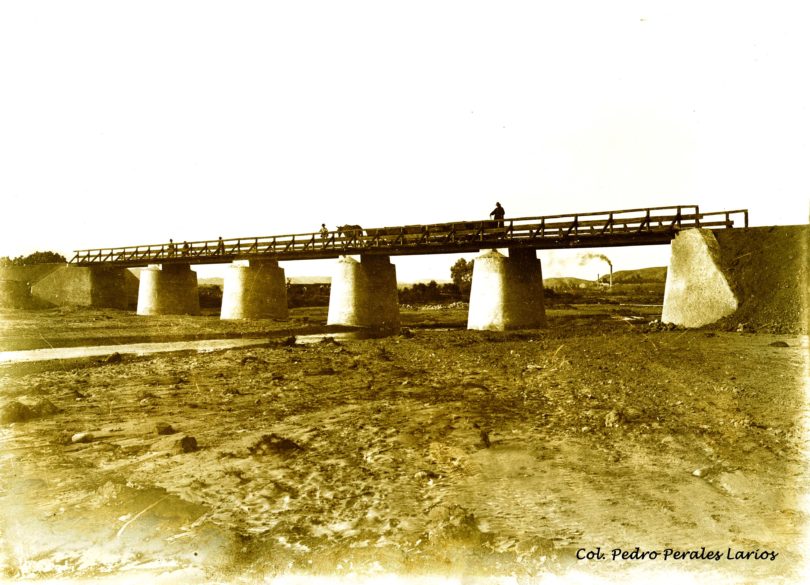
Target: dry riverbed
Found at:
438, 451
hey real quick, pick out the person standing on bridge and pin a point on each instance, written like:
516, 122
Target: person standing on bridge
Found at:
324, 231
220, 246
498, 213
171, 247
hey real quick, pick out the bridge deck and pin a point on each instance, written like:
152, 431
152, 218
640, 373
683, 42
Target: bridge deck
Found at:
628, 227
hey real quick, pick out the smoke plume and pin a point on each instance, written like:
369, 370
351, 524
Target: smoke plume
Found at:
585, 258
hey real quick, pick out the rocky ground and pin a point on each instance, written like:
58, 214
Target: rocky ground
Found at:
438, 451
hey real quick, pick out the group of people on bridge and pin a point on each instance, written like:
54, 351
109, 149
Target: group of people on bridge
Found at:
185, 250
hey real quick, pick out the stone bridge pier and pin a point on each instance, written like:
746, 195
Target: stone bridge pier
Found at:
507, 291
254, 289
364, 294
168, 289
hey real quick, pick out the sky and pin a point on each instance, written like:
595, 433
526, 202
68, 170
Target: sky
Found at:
132, 123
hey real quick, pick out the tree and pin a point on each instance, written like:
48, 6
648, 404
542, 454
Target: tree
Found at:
461, 273
35, 258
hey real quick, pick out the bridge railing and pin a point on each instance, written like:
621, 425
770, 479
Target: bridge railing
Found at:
582, 227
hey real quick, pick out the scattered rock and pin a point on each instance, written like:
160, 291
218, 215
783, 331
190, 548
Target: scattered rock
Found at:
45, 408
274, 444
406, 333
82, 437
163, 428
613, 419
110, 491
631, 414
656, 325
114, 358
176, 444
425, 474
290, 341
187, 444
778, 344
329, 340
248, 359
15, 411
453, 523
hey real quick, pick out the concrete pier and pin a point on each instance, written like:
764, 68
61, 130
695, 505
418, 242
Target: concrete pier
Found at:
364, 294
507, 292
168, 289
254, 290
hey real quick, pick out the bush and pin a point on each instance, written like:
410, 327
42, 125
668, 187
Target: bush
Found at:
210, 296
430, 293
31, 259
307, 295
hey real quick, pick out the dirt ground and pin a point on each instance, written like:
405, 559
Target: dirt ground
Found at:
439, 451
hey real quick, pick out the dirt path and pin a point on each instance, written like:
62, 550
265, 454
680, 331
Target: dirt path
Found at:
454, 452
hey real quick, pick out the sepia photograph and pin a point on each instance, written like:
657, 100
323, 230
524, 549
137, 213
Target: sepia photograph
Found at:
404, 292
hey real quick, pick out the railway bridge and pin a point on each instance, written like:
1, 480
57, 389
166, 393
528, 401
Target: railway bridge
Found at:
507, 290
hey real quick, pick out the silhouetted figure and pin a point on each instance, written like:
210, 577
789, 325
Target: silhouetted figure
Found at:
498, 214
352, 230
185, 248
324, 231
171, 247
220, 246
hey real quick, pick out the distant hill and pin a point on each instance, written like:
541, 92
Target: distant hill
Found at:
293, 280
564, 282
210, 281
439, 282
310, 279
642, 275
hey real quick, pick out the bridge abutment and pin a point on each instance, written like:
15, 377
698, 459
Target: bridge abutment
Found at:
89, 286
757, 278
168, 289
254, 290
697, 291
364, 294
507, 291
